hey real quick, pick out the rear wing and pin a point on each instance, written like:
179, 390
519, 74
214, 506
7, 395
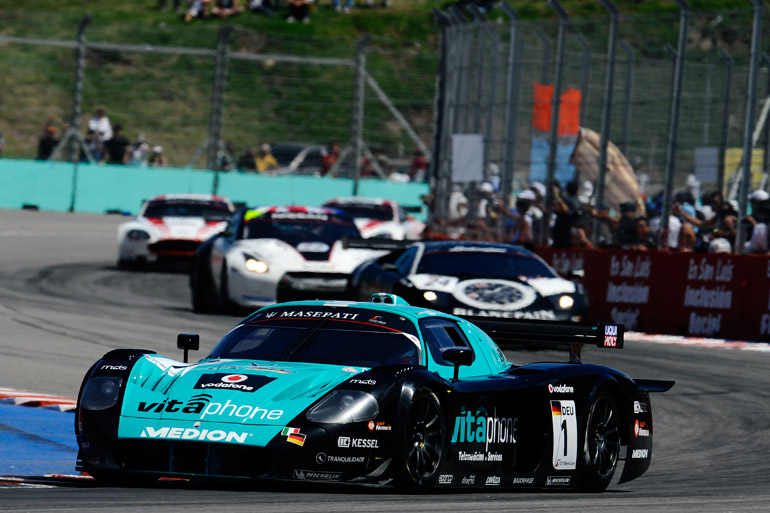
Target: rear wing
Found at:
375, 243
510, 332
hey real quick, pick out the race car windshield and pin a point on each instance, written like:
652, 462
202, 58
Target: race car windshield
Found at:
313, 341
483, 265
376, 212
208, 210
296, 231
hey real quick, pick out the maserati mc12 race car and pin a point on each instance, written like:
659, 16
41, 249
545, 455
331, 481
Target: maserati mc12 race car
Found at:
373, 392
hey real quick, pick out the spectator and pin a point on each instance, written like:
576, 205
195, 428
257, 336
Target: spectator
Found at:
264, 6
197, 9
299, 10
157, 158
537, 212
337, 4
628, 226
47, 143
101, 126
115, 147
225, 158
139, 152
419, 167
519, 222
266, 162
330, 157
94, 146
756, 223
567, 209
247, 162
581, 231
646, 238
226, 8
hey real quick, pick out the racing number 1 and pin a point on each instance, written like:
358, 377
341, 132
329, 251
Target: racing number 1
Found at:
564, 435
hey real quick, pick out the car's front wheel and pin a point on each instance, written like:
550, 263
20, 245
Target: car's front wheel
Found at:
424, 449
601, 446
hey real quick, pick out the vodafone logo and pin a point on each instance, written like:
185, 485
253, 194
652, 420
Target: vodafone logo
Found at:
560, 389
234, 378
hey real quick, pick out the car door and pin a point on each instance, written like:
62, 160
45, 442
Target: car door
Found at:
440, 334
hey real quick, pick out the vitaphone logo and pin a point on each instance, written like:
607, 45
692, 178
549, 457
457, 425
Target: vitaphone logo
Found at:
240, 382
483, 429
201, 404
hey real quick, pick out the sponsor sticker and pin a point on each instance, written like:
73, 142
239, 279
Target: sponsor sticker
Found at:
640, 407
610, 335
238, 382
293, 436
558, 480
322, 458
483, 429
378, 426
355, 381
468, 480
202, 406
445, 479
492, 481
177, 433
114, 367
314, 475
639, 454
561, 389
640, 429
523, 480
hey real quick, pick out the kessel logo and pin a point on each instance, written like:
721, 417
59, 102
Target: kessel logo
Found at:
239, 382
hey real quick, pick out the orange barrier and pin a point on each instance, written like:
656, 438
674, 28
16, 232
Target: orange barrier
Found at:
693, 294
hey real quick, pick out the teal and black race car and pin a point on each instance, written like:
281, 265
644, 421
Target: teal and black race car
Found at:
372, 392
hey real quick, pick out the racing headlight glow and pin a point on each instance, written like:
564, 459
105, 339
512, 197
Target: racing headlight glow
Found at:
566, 302
429, 295
137, 235
256, 266
344, 407
101, 392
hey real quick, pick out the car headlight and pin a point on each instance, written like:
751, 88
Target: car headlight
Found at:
344, 407
429, 295
566, 302
255, 265
137, 235
101, 392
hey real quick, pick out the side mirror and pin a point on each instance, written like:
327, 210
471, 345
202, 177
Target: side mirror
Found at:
458, 356
187, 342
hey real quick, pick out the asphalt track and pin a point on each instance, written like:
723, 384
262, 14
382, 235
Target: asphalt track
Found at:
63, 304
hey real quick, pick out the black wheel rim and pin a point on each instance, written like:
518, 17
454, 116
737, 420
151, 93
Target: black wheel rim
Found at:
603, 437
424, 437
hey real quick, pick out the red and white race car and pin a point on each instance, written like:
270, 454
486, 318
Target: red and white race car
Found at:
171, 227
378, 218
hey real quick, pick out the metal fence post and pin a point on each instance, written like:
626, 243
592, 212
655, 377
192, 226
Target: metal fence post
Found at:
357, 123
673, 125
217, 104
555, 106
511, 103
725, 121
585, 77
630, 63
766, 144
609, 80
748, 143
77, 101
439, 114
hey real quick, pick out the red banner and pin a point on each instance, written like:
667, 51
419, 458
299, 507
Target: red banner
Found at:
695, 294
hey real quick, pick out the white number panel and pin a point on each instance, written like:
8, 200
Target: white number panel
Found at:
564, 434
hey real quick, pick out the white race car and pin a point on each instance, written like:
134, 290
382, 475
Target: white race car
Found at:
275, 254
171, 227
378, 218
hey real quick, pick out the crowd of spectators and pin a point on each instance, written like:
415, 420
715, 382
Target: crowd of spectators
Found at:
292, 10
103, 142
708, 225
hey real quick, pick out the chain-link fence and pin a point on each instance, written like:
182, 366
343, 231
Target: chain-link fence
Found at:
493, 66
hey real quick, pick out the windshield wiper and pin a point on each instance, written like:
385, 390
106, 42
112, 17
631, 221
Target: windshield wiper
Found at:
303, 340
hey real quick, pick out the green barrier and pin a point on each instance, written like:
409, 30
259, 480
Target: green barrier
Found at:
101, 188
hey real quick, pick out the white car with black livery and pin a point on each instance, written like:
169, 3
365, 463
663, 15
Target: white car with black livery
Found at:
276, 253
379, 218
477, 279
170, 227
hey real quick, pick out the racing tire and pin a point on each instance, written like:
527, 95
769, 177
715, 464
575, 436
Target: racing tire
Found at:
422, 456
601, 444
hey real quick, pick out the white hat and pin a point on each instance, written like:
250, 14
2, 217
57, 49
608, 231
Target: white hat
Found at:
759, 195
486, 187
158, 149
527, 194
539, 187
720, 245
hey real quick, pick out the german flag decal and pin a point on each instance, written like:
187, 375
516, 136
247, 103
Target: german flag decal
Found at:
556, 407
293, 435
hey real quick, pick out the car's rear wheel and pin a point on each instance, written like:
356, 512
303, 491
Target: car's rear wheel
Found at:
424, 449
601, 446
